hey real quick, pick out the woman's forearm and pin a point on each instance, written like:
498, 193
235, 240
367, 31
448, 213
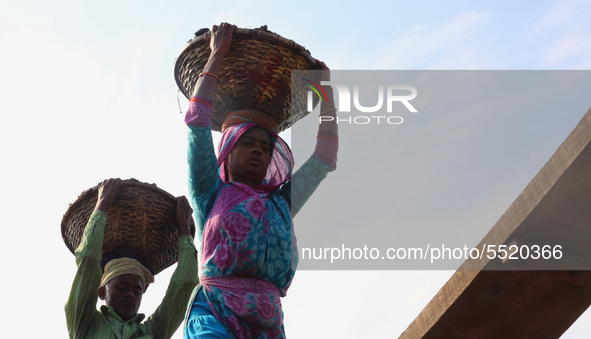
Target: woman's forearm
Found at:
327, 109
207, 84
328, 112
221, 39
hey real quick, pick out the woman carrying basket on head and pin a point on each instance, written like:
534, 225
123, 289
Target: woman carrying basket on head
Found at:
244, 210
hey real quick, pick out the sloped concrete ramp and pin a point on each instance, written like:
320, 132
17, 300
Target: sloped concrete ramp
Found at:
526, 298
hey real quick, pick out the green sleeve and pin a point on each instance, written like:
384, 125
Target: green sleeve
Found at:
170, 314
81, 305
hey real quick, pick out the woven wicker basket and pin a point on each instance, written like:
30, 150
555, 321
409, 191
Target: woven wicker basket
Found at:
256, 74
140, 221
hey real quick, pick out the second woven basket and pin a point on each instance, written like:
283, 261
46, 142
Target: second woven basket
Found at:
140, 223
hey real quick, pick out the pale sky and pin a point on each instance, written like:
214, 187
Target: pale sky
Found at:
88, 93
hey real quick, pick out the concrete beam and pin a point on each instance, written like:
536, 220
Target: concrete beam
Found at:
526, 298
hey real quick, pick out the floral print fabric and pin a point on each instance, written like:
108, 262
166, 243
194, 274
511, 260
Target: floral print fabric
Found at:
249, 251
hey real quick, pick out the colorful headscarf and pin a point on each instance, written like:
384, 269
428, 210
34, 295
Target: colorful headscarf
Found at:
121, 266
236, 124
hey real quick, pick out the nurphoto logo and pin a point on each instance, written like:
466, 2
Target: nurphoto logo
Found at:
393, 94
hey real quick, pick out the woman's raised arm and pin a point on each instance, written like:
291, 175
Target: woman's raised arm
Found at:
307, 178
203, 170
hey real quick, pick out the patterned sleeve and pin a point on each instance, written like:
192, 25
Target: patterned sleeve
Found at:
308, 177
169, 315
203, 171
81, 305
327, 146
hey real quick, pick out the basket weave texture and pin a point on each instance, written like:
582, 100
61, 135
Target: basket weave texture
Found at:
255, 74
140, 221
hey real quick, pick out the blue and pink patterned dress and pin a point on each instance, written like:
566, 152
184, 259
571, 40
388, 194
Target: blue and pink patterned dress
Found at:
248, 254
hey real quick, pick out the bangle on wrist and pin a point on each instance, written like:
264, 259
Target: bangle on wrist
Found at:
210, 74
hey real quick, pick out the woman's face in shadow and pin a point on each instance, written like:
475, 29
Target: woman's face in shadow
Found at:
248, 161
